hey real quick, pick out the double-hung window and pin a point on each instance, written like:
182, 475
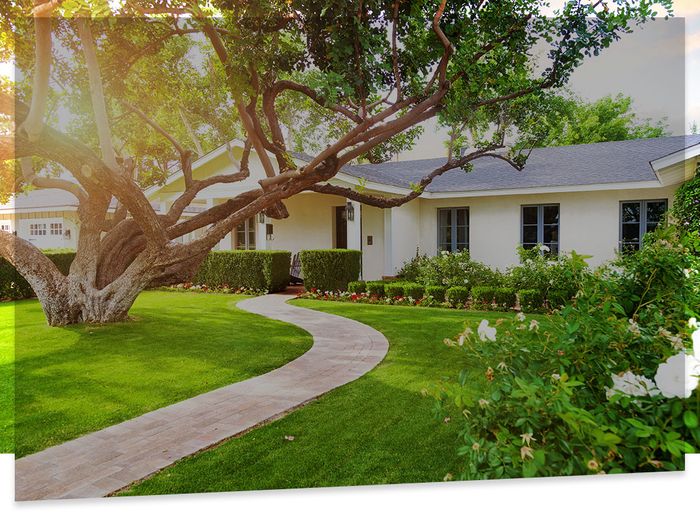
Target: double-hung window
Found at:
56, 229
637, 218
37, 229
540, 225
453, 229
245, 235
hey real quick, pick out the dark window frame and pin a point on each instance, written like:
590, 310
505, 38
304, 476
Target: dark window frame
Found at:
642, 219
453, 228
540, 226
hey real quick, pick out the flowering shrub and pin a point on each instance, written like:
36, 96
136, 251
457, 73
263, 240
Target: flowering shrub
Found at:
686, 204
222, 289
531, 300
455, 269
457, 297
608, 387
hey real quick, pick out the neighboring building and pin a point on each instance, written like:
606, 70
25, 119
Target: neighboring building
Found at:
592, 198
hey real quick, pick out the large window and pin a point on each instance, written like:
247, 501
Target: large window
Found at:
245, 235
638, 218
540, 225
56, 229
453, 229
37, 229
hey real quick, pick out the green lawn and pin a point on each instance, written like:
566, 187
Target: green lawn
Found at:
7, 373
378, 429
74, 380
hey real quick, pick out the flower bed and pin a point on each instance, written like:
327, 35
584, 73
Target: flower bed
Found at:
223, 289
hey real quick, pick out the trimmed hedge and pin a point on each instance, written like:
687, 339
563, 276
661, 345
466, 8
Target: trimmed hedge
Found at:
558, 298
436, 292
414, 290
252, 269
505, 298
531, 300
330, 269
375, 288
394, 290
357, 287
482, 297
14, 286
457, 296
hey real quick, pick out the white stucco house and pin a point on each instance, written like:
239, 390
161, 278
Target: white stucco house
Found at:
592, 198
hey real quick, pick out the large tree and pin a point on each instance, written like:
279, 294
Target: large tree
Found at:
369, 73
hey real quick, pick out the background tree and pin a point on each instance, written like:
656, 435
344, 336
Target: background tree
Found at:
184, 73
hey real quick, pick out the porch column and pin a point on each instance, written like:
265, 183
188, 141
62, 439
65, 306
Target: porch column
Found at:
354, 227
388, 245
261, 233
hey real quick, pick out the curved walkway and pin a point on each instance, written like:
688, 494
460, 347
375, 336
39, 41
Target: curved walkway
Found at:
106, 461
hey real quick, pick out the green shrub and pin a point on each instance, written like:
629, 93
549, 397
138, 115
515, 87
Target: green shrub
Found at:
330, 269
686, 208
357, 287
505, 298
456, 269
544, 271
410, 271
457, 296
14, 286
414, 290
558, 298
482, 297
394, 290
531, 300
252, 269
437, 292
375, 288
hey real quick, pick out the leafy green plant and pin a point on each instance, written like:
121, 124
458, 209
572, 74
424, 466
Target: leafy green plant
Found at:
250, 269
357, 287
437, 292
457, 297
558, 298
375, 288
505, 297
686, 204
456, 269
531, 300
394, 290
410, 271
330, 269
482, 297
413, 290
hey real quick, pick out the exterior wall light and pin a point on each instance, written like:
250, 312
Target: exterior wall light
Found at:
350, 212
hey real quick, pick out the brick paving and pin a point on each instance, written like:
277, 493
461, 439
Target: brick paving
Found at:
108, 460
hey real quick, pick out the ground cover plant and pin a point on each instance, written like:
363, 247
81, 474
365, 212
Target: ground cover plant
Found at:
81, 378
611, 385
378, 429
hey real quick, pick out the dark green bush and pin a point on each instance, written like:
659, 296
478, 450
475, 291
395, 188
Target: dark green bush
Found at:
436, 292
457, 296
14, 286
453, 269
558, 298
394, 290
252, 269
505, 298
482, 297
531, 300
330, 269
357, 287
410, 271
375, 288
414, 290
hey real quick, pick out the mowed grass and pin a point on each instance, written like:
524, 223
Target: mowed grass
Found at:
77, 379
7, 379
378, 429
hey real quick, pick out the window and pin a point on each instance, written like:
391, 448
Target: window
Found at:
56, 229
637, 218
540, 225
5, 227
37, 229
245, 235
453, 229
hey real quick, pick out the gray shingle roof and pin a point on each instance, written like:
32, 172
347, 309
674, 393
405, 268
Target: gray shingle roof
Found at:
584, 164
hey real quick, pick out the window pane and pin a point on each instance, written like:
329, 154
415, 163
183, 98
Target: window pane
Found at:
530, 234
461, 235
551, 233
462, 216
655, 212
553, 249
551, 214
444, 217
630, 212
630, 232
651, 226
528, 246
530, 215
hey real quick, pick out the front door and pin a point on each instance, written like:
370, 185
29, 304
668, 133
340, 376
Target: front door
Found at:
341, 228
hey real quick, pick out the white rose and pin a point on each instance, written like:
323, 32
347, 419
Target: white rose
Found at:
678, 376
633, 385
486, 332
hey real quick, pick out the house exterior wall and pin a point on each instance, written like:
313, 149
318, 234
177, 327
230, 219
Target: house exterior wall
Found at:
68, 239
372, 255
589, 222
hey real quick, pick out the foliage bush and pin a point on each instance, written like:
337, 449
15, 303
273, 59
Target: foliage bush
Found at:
13, 286
482, 297
539, 270
437, 292
558, 298
357, 287
410, 271
505, 298
394, 290
413, 290
330, 269
608, 387
250, 269
531, 300
456, 269
457, 297
375, 288
686, 204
